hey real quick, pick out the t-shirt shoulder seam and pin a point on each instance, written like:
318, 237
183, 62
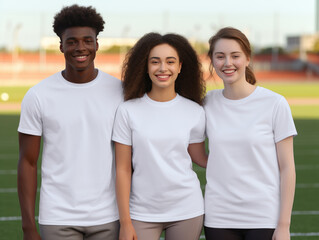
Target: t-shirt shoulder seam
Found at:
37, 101
278, 101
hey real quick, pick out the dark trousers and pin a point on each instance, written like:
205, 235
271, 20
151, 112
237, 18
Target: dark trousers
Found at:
238, 234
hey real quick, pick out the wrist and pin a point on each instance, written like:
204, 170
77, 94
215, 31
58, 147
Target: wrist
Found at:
29, 226
29, 230
125, 221
283, 224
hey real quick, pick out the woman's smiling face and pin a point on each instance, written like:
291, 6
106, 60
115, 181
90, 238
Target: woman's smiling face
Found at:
229, 61
163, 66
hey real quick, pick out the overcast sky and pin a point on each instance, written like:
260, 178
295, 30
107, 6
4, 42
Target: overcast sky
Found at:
265, 22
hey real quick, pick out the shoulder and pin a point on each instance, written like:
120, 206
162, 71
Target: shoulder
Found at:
110, 79
270, 97
129, 104
189, 103
267, 99
49, 81
130, 107
190, 106
212, 94
267, 93
44, 85
111, 87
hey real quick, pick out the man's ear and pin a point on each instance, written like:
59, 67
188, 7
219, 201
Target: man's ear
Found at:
97, 44
61, 47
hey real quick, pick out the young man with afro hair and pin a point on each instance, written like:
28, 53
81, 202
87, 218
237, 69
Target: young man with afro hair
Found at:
72, 112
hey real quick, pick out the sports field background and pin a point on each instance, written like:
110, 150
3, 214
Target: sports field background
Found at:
303, 99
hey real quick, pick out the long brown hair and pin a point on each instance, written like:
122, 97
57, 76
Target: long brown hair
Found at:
241, 39
136, 81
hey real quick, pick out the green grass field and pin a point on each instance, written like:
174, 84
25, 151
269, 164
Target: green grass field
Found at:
305, 218
295, 90
287, 89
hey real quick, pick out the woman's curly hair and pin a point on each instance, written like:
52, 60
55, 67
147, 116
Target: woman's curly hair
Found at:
136, 81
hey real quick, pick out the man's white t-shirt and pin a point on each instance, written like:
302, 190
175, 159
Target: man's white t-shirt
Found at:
75, 122
164, 185
243, 180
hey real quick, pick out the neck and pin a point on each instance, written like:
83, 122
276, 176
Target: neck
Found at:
162, 95
238, 91
75, 76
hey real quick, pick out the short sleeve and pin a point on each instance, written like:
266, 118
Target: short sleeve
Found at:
122, 132
30, 117
197, 134
283, 122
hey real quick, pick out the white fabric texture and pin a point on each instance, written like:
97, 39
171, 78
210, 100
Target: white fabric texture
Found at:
164, 185
78, 170
243, 182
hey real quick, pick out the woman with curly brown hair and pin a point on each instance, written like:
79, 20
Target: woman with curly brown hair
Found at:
158, 132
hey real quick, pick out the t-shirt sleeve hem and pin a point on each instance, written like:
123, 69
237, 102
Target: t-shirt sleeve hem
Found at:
197, 140
30, 132
279, 138
121, 141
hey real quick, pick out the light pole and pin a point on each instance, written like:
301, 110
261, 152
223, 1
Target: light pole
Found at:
125, 31
15, 51
15, 43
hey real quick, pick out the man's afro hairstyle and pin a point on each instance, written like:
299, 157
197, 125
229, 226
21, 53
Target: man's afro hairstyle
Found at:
77, 16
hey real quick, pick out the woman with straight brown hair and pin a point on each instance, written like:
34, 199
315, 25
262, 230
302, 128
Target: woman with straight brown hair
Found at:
250, 171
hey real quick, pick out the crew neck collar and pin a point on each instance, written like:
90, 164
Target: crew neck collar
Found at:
158, 103
94, 81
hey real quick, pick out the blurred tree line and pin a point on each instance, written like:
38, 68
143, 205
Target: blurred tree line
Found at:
200, 47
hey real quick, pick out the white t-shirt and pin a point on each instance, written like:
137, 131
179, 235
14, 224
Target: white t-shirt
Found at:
75, 122
243, 181
164, 185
